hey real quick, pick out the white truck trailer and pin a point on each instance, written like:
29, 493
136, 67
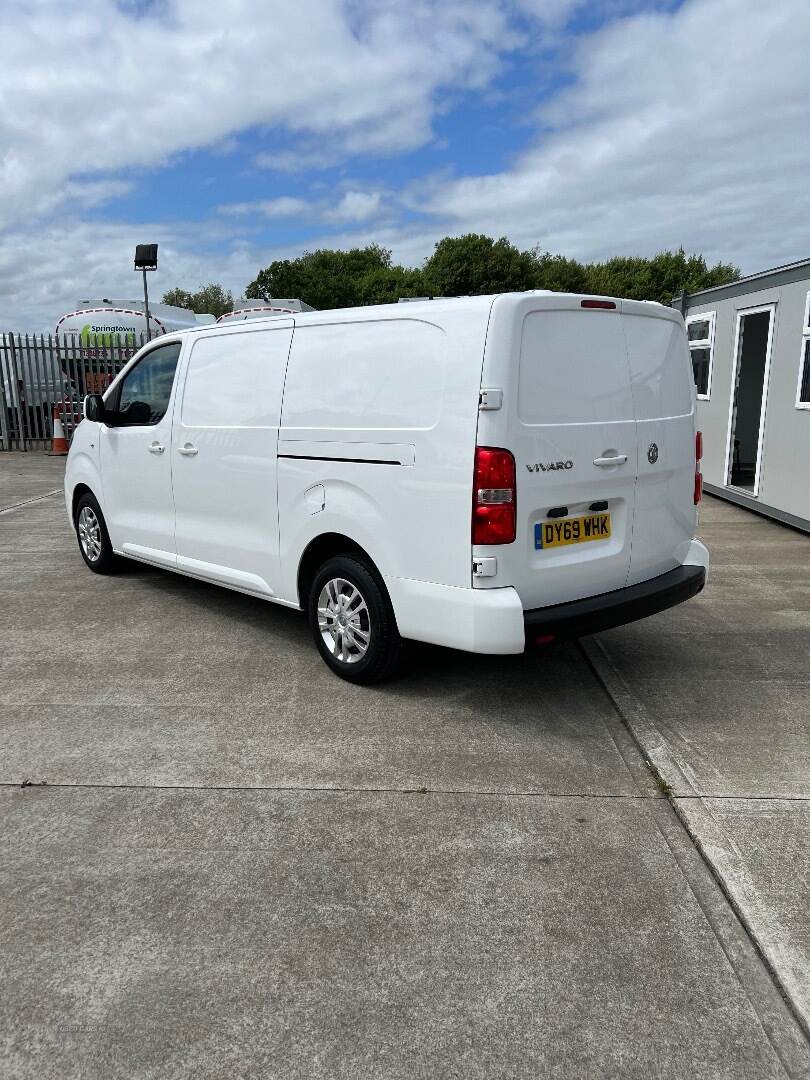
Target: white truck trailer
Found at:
101, 322
261, 309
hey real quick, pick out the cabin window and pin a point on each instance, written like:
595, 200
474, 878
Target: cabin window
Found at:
700, 332
803, 390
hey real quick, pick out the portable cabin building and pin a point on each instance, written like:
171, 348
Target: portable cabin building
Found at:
750, 348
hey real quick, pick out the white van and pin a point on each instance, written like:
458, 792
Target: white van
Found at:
481, 472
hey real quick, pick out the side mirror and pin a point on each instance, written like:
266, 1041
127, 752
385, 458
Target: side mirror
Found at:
94, 407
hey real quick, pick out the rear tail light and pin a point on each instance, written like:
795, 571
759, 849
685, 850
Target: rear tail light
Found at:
494, 509
698, 474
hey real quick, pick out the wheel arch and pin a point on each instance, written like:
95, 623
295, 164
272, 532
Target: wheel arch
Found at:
324, 547
78, 491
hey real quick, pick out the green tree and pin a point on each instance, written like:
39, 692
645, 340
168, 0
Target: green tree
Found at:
475, 264
557, 273
209, 299
660, 278
177, 297
324, 278
386, 286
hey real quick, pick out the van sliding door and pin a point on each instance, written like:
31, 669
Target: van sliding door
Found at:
224, 465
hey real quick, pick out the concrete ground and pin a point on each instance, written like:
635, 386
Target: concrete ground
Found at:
723, 710
24, 477
225, 862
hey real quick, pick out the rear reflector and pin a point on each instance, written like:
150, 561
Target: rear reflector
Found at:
494, 508
544, 639
605, 305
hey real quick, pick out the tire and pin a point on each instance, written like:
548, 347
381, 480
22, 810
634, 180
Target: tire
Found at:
347, 590
93, 538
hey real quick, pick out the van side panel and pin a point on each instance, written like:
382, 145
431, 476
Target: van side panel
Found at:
377, 441
351, 377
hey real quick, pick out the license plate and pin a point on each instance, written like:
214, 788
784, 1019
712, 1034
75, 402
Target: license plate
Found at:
578, 530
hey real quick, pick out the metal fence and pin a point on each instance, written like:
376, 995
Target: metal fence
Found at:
42, 377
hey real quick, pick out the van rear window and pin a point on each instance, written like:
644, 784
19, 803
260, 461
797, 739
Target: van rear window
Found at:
659, 367
365, 375
573, 368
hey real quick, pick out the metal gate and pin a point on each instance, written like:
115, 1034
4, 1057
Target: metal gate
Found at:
44, 376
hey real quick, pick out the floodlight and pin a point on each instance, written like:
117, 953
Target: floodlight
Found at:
146, 257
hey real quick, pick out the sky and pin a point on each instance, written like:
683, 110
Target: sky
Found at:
237, 132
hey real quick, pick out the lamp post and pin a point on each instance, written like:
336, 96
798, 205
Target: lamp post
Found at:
146, 259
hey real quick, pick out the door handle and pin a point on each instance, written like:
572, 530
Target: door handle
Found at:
616, 459
156, 448
188, 450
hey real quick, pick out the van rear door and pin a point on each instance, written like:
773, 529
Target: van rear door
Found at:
662, 385
573, 433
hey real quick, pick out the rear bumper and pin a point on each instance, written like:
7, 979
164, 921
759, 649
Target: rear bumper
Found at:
494, 621
475, 620
596, 613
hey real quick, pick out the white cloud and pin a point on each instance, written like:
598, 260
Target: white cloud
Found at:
93, 87
93, 91
87, 193
75, 259
298, 160
685, 128
285, 206
356, 206
353, 206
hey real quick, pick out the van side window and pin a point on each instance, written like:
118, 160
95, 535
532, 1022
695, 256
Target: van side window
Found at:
700, 332
146, 390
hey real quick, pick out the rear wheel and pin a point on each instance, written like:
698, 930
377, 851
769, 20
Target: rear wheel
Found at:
353, 622
94, 540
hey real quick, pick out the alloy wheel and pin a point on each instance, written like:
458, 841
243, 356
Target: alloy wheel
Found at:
343, 620
89, 533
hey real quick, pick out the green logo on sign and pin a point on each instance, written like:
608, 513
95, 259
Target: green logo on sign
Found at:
104, 337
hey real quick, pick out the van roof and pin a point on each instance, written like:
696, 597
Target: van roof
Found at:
397, 310
440, 305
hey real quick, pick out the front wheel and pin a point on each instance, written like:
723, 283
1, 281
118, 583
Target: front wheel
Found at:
353, 622
94, 540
